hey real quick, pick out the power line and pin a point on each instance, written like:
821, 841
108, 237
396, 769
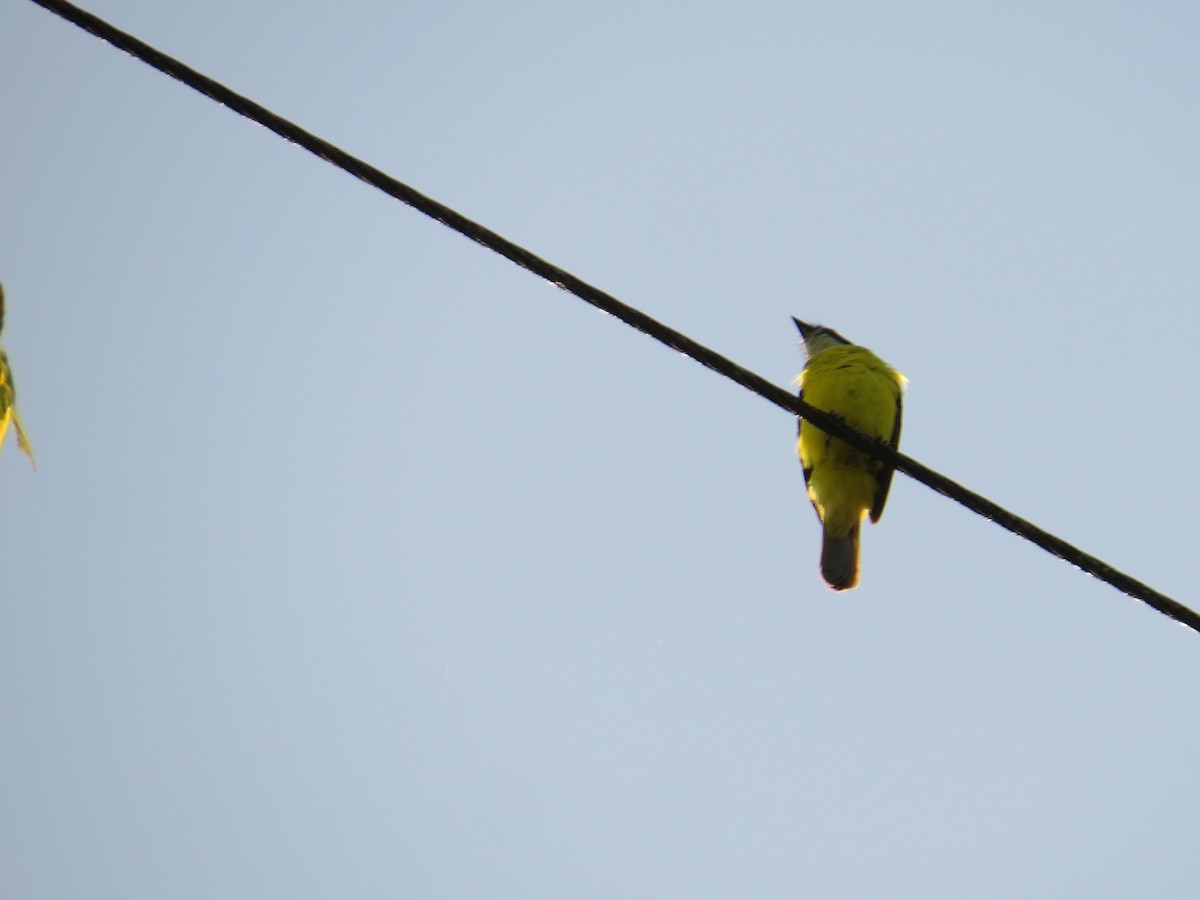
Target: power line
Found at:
627, 314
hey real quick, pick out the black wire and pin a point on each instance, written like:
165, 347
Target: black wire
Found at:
639, 320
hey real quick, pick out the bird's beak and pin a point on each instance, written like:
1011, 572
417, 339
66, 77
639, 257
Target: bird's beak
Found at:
805, 328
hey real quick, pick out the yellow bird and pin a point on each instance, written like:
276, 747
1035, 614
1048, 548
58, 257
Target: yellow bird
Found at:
845, 484
8, 398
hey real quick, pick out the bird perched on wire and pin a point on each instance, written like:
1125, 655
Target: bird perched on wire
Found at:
845, 484
8, 398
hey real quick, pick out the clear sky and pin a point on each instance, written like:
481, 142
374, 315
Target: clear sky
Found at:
361, 563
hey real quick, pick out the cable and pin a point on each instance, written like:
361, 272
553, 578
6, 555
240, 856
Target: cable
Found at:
627, 314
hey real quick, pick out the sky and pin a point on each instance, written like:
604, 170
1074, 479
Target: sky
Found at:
359, 562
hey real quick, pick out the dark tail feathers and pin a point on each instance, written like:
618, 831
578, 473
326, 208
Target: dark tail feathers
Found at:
839, 560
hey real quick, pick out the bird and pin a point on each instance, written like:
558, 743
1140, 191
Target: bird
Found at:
8, 399
844, 484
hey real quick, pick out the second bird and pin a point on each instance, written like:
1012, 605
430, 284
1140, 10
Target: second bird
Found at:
844, 484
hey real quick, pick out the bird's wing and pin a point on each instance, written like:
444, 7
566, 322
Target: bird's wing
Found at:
883, 480
799, 427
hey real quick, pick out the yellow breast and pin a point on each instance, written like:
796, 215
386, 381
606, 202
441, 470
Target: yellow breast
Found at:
851, 382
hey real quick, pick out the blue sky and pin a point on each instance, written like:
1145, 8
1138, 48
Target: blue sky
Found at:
360, 562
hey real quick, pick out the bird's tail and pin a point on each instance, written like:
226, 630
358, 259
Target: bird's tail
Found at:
839, 560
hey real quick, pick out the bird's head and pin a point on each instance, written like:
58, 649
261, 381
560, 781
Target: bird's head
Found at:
818, 337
